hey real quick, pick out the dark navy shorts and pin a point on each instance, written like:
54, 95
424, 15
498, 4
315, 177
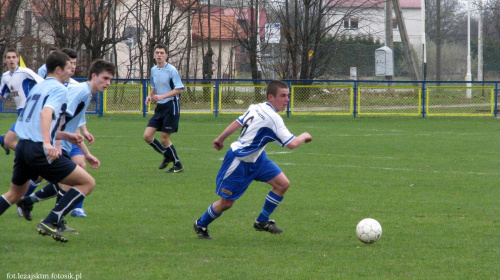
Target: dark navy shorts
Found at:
31, 162
165, 118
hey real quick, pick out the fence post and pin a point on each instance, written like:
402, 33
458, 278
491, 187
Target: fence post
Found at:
355, 99
144, 96
424, 96
100, 105
496, 100
216, 98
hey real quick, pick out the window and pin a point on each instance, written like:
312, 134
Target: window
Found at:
395, 24
351, 23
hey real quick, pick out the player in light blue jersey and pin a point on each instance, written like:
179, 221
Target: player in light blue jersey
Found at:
42, 71
38, 129
100, 75
246, 160
166, 88
16, 83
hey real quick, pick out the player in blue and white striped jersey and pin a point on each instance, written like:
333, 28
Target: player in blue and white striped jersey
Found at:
246, 160
166, 88
16, 83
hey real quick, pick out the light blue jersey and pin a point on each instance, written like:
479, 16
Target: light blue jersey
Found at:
261, 124
42, 71
18, 84
78, 100
164, 80
49, 93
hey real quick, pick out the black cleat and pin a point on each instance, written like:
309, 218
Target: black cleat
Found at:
267, 226
164, 163
52, 230
7, 150
63, 227
201, 231
175, 169
25, 209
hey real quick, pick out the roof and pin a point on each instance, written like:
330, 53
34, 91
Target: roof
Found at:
374, 3
222, 27
72, 12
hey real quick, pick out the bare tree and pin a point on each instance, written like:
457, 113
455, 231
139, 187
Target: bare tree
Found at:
8, 21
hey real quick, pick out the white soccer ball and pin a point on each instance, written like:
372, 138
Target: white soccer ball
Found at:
368, 230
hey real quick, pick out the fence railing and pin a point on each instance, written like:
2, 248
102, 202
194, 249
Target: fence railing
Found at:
308, 97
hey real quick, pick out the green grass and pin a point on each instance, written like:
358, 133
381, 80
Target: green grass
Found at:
432, 183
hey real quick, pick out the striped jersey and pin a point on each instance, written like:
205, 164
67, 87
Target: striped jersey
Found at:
261, 124
18, 84
49, 93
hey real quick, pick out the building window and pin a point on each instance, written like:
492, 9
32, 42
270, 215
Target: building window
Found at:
351, 23
395, 24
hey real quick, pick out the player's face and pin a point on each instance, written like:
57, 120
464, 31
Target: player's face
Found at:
12, 60
281, 100
65, 73
101, 81
72, 62
161, 56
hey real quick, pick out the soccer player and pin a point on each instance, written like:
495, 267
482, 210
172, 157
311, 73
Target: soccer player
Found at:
16, 82
246, 159
99, 79
38, 128
42, 71
166, 88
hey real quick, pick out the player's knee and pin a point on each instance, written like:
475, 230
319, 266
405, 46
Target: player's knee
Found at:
148, 138
226, 204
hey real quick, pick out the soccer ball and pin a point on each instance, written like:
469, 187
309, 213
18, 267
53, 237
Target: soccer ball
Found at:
368, 230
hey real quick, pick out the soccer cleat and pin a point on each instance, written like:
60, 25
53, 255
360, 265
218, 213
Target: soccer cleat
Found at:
269, 226
201, 231
164, 163
63, 227
25, 209
52, 230
7, 150
20, 212
175, 169
78, 212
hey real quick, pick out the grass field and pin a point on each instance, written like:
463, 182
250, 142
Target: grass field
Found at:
432, 183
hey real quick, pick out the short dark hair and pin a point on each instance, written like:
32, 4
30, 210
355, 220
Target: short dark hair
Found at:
274, 86
98, 66
52, 48
161, 46
8, 51
56, 59
70, 52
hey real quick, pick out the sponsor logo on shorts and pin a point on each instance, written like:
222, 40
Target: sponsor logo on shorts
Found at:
168, 127
227, 192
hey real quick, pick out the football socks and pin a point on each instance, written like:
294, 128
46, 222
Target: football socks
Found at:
4, 204
64, 206
208, 217
272, 201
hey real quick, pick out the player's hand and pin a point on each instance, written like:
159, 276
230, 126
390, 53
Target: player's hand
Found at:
94, 162
50, 152
148, 100
74, 138
307, 137
89, 137
158, 97
218, 144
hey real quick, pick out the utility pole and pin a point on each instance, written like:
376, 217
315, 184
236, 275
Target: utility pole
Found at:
480, 43
406, 42
389, 37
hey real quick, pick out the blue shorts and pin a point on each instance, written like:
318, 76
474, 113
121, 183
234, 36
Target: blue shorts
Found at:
75, 151
31, 162
165, 119
235, 176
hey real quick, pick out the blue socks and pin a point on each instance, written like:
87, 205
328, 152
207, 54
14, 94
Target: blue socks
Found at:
272, 201
208, 217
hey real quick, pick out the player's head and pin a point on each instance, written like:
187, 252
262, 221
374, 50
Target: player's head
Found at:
11, 58
52, 48
58, 64
277, 94
72, 58
160, 54
100, 74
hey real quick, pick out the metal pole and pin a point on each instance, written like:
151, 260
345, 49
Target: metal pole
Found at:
468, 77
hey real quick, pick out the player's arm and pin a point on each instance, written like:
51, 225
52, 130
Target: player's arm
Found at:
219, 141
150, 96
94, 162
299, 140
87, 134
171, 93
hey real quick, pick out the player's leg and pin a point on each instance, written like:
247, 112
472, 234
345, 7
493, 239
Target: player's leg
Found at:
12, 196
78, 158
11, 139
171, 125
2, 144
26, 204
